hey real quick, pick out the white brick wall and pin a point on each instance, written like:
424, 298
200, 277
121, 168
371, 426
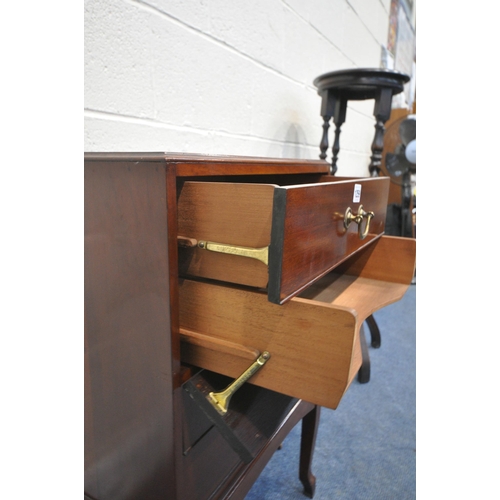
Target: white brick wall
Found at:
226, 76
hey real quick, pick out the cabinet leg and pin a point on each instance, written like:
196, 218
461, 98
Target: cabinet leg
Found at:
310, 425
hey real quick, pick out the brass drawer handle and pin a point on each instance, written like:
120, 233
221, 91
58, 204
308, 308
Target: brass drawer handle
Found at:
358, 219
261, 254
220, 400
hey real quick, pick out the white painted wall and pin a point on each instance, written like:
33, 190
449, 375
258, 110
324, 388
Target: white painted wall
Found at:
226, 76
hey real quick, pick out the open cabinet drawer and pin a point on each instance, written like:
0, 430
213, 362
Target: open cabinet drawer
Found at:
279, 238
313, 339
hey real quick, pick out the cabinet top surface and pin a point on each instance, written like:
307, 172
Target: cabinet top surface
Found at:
188, 164
199, 158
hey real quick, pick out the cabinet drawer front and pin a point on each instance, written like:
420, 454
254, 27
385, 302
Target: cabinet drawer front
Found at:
300, 227
309, 237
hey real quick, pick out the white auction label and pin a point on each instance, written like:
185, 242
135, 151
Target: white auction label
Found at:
356, 197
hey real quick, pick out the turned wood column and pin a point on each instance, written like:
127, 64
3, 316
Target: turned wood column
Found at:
334, 106
382, 112
338, 87
326, 112
340, 108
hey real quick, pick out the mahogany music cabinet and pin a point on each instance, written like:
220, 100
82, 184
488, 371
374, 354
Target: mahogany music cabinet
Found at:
203, 270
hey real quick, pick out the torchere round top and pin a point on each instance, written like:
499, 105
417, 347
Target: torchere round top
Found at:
361, 83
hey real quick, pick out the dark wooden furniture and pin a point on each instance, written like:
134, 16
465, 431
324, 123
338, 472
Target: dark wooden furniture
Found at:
336, 88
150, 432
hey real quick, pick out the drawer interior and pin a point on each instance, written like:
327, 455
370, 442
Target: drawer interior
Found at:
313, 339
371, 279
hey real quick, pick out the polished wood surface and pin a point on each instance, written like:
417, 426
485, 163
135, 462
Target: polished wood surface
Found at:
128, 366
313, 339
238, 484
189, 165
252, 416
210, 466
303, 225
310, 237
311, 345
310, 425
143, 437
219, 345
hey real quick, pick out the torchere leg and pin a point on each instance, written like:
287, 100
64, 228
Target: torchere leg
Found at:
323, 145
327, 111
310, 425
382, 112
340, 108
374, 332
364, 371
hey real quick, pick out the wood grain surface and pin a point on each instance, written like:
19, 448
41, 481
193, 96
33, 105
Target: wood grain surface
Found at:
229, 213
303, 225
313, 339
309, 234
311, 345
129, 434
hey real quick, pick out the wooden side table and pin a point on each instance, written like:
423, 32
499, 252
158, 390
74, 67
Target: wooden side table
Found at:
336, 88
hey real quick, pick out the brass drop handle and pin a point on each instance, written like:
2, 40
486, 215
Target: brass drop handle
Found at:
220, 400
358, 219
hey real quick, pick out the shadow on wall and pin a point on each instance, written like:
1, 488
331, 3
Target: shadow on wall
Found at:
292, 141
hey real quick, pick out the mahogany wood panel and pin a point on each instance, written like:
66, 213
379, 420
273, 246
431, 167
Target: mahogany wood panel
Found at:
310, 425
309, 238
311, 344
252, 416
129, 433
239, 484
256, 423
189, 166
207, 459
199, 165
171, 197
142, 439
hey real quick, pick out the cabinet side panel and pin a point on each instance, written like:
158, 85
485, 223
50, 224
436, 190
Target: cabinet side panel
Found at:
128, 380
